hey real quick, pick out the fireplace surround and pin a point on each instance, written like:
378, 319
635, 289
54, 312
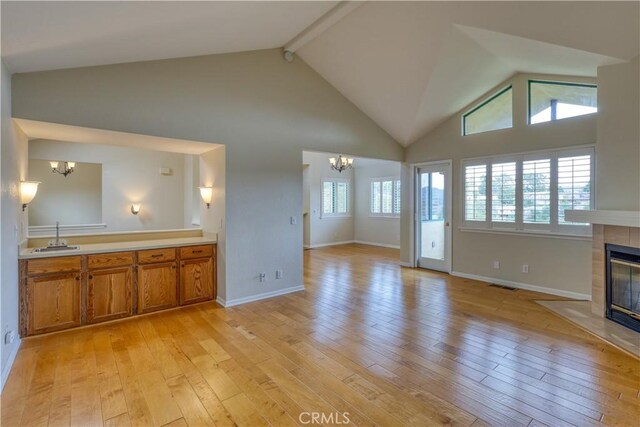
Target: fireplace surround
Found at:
622, 285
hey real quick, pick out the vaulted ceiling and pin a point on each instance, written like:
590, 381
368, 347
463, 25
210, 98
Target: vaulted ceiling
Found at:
407, 65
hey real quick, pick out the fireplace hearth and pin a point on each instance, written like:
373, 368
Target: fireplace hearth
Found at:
622, 264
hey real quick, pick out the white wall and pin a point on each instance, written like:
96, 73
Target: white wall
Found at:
72, 199
128, 175
325, 230
191, 193
368, 229
618, 147
555, 264
212, 172
13, 167
264, 109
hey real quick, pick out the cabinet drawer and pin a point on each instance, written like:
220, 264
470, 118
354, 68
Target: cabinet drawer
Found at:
53, 265
119, 259
190, 252
156, 255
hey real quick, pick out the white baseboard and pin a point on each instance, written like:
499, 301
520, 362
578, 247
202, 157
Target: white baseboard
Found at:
406, 264
7, 369
526, 286
382, 245
265, 295
323, 245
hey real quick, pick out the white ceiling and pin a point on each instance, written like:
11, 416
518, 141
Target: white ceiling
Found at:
57, 132
407, 65
411, 65
46, 35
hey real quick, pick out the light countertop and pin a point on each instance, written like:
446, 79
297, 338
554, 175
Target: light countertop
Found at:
98, 248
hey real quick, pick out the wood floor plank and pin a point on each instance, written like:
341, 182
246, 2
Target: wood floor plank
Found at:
382, 344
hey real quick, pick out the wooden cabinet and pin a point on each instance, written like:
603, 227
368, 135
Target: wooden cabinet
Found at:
52, 302
61, 292
157, 286
109, 294
196, 280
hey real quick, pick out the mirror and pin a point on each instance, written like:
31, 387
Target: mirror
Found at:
107, 180
72, 199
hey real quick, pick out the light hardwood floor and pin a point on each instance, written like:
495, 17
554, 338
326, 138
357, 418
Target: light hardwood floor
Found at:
387, 345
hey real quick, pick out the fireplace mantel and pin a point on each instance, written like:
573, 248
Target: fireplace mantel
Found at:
603, 217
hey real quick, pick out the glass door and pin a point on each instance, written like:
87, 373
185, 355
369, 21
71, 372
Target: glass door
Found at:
433, 234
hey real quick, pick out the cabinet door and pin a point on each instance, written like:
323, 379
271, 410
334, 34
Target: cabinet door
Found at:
196, 280
53, 302
109, 294
157, 287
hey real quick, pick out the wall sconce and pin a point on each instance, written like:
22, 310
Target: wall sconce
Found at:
206, 193
28, 190
135, 208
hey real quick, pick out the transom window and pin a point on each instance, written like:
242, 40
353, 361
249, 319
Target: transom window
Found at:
385, 197
335, 197
492, 114
528, 192
549, 101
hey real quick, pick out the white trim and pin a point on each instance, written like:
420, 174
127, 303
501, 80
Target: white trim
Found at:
119, 233
528, 233
7, 369
257, 297
525, 286
43, 230
406, 264
337, 181
382, 245
323, 245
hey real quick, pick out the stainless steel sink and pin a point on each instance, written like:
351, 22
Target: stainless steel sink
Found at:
56, 249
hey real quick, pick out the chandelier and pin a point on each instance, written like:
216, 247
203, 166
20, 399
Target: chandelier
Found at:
66, 170
341, 163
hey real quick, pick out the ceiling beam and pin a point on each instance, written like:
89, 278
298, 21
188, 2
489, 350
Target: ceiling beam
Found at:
319, 26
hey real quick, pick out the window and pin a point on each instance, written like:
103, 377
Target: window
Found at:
493, 114
335, 197
550, 101
385, 197
528, 192
432, 197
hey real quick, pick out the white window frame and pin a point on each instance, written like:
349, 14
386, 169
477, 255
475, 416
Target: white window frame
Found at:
554, 228
346, 214
393, 179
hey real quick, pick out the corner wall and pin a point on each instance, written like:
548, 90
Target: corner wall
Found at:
13, 167
325, 231
370, 229
618, 146
556, 265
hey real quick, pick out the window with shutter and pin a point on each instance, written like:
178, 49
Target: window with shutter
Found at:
385, 197
529, 191
335, 197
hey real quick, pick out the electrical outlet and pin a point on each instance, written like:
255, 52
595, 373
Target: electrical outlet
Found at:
262, 277
496, 265
525, 268
294, 221
9, 337
279, 274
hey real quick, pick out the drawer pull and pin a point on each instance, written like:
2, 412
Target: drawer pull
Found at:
197, 252
156, 256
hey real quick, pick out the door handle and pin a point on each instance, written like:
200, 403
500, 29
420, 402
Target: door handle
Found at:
446, 224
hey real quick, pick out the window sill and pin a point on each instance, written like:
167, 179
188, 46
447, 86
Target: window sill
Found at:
531, 233
335, 216
384, 216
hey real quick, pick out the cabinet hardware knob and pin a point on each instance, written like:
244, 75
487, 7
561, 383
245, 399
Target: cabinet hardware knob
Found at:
77, 277
91, 276
173, 267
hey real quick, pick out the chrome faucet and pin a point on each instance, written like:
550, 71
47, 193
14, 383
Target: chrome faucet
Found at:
58, 243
